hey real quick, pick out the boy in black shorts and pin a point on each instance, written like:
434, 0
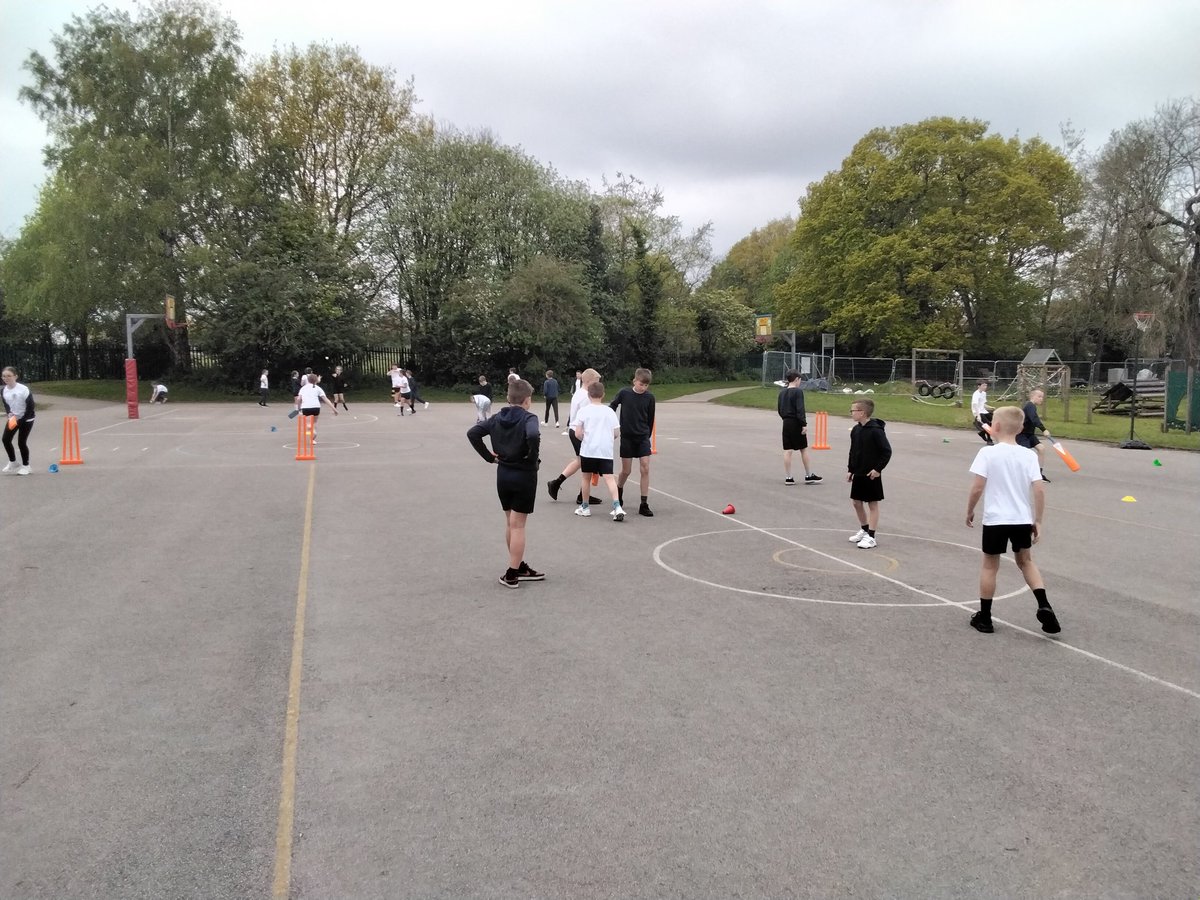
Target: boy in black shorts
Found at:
870, 452
1005, 477
516, 441
636, 405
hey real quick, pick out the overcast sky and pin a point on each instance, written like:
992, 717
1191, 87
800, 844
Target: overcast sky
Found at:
731, 108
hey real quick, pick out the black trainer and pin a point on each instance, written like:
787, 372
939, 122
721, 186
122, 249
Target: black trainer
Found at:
812, 479
1049, 620
644, 510
525, 573
579, 499
981, 622
509, 581
552, 486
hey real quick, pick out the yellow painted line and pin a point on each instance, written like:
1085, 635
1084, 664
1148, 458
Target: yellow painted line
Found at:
281, 886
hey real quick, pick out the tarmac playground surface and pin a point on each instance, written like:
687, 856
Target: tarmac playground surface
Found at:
225, 673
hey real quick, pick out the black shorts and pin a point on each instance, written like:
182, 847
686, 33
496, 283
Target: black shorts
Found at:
794, 437
311, 412
1027, 440
634, 447
516, 489
593, 465
866, 490
996, 538
407, 395
575, 442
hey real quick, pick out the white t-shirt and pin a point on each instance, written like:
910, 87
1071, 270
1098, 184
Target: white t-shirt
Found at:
310, 396
16, 398
396, 377
402, 384
600, 427
579, 400
979, 403
1009, 470
262, 381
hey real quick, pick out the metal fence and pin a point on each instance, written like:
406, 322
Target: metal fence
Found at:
58, 362
896, 375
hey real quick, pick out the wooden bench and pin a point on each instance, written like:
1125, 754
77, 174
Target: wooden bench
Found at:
1151, 398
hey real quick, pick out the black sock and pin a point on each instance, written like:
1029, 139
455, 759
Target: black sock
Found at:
1040, 594
863, 526
871, 532
559, 480
985, 606
645, 500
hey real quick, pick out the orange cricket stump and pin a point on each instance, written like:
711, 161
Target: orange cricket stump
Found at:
1065, 454
306, 427
654, 439
821, 431
70, 442
595, 479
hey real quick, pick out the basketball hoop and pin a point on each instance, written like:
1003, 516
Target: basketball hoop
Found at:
1143, 320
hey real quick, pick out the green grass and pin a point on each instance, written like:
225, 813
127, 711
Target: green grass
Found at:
894, 408
889, 407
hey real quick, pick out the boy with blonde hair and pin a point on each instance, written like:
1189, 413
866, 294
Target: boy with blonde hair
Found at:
597, 427
578, 401
1009, 480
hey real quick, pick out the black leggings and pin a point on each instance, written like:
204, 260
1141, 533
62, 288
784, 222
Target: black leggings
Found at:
551, 401
22, 434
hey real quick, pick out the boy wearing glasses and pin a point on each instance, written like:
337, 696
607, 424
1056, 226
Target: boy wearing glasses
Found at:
870, 452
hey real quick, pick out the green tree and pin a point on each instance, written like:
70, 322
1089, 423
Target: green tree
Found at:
462, 214
547, 304
756, 265
929, 234
338, 119
140, 116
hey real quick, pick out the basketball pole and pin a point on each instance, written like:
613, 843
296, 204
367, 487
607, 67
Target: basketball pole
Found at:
1142, 321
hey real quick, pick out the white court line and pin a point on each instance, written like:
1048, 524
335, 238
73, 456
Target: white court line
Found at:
959, 605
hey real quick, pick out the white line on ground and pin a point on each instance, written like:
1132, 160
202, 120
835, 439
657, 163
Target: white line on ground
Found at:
954, 603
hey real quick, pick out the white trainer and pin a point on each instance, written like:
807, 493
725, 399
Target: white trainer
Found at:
24, 470
858, 535
427, 404
618, 514
584, 511
867, 543
9, 467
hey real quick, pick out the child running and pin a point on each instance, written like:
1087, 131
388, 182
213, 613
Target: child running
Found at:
1006, 475
596, 427
870, 452
516, 442
637, 424
579, 400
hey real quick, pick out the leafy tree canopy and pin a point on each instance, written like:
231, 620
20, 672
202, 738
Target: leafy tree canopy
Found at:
927, 236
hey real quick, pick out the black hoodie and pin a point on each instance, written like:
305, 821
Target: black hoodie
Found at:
516, 439
869, 448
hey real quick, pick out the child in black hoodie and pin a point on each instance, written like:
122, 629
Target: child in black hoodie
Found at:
870, 452
516, 442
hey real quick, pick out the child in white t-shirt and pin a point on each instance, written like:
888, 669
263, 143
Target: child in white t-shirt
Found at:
1006, 475
597, 427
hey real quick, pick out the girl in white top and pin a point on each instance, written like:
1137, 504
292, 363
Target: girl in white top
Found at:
311, 396
264, 387
18, 406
